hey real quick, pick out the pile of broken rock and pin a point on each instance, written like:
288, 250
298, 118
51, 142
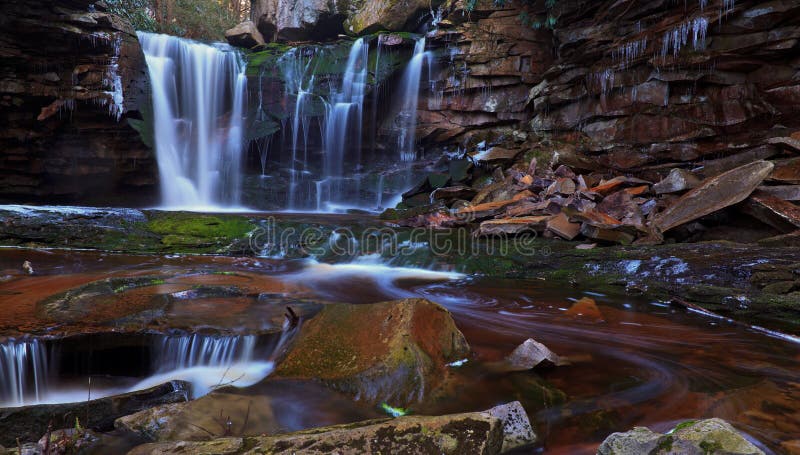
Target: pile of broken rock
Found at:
526, 198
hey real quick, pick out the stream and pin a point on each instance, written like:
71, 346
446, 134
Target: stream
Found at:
644, 363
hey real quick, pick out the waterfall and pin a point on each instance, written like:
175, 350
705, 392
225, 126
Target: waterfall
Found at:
198, 104
344, 119
409, 99
23, 371
188, 351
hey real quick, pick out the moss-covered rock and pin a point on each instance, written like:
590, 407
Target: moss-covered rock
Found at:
706, 437
391, 351
490, 432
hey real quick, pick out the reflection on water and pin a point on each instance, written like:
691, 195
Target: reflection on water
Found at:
644, 364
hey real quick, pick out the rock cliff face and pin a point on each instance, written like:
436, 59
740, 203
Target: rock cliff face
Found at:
323, 19
71, 77
632, 87
488, 61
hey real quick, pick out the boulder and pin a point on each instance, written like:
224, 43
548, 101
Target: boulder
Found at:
494, 431
393, 351
214, 415
244, 35
298, 19
708, 437
29, 423
531, 354
368, 16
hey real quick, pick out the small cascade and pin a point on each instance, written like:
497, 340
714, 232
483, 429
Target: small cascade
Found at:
24, 372
298, 75
198, 104
409, 99
343, 128
196, 350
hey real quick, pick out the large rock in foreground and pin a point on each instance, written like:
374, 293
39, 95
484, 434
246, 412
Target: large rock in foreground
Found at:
29, 423
214, 415
706, 437
391, 351
491, 432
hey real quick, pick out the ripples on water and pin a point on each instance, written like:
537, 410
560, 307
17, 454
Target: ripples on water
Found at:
645, 364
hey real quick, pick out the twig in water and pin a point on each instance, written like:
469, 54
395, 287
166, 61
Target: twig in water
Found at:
246, 418
292, 317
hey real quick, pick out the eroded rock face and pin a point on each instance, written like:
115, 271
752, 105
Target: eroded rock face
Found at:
323, 19
70, 80
634, 97
299, 19
487, 66
391, 351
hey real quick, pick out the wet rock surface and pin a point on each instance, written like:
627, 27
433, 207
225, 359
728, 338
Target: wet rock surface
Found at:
215, 415
29, 423
393, 351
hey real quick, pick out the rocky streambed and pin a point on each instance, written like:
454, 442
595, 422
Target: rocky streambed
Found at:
276, 352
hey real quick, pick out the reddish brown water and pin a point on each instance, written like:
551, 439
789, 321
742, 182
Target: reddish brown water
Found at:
644, 364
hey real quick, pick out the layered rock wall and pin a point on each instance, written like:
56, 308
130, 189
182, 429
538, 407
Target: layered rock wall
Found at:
628, 87
71, 77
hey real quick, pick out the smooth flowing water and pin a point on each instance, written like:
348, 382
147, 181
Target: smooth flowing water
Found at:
198, 94
644, 363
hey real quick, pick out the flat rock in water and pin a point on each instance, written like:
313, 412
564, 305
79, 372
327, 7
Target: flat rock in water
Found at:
531, 354
677, 180
29, 423
714, 194
202, 419
711, 437
394, 352
490, 432
585, 308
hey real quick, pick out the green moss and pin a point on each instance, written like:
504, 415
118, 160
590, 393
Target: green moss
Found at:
683, 425
710, 447
665, 445
196, 225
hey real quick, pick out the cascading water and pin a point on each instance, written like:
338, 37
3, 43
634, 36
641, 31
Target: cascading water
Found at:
187, 351
409, 99
198, 104
344, 120
23, 372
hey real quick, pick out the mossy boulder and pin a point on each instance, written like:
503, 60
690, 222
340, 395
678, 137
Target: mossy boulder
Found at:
393, 351
701, 437
486, 433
